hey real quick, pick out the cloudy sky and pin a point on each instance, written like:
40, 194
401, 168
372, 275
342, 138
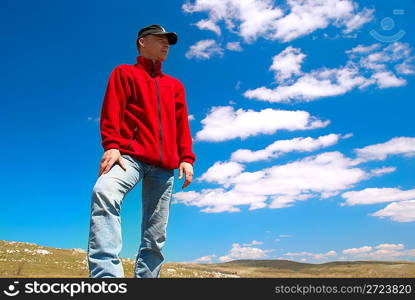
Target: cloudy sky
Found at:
301, 115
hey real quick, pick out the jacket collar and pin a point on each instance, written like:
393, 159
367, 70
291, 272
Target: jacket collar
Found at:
148, 65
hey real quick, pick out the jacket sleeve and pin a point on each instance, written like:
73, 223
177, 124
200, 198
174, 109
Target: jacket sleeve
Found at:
184, 138
113, 108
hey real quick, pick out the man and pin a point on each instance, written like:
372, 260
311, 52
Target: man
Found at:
145, 135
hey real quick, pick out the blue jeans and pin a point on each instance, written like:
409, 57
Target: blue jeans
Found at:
105, 241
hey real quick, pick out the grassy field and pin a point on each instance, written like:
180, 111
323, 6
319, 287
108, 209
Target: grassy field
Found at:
19, 259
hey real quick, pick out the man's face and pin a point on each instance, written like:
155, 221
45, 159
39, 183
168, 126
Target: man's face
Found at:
155, 47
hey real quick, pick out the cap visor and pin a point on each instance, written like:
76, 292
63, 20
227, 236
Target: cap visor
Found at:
171, 36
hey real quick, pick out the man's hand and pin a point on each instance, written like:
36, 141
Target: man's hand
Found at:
188, 171
110, 157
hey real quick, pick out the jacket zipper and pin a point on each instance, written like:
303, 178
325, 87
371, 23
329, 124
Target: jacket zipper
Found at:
133, 138
159, 114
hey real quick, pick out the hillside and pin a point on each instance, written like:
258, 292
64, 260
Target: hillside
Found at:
18, 259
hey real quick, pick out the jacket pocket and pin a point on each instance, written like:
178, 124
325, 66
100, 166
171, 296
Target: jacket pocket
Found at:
134, 136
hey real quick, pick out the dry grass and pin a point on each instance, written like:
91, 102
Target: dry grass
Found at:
29, 260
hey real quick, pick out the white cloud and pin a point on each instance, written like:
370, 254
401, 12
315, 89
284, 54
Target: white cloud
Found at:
328, 172
191, 117
208, 25
253, 243
383, 170
313, 85
280, 147
406, 67
224, 123
362, 69
402, 208
397, 145
287, 63
402, 211
238, 252
96, 120
205, 259
371, 59
363, 49
324, 175
307, 16
380, 252
279, 186
377, 195
254, 16
251, 19
384, 251
325, 255
390, 246
288, 200
360, 250
234, 46
204, 49
221, 172
219, 200
357, 20
388, 79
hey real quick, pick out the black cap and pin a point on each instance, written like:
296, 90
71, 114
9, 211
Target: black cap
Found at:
157, 29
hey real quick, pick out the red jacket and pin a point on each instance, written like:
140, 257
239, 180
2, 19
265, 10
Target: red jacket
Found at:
144, 114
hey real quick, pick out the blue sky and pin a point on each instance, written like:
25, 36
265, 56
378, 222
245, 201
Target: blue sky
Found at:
302, 119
